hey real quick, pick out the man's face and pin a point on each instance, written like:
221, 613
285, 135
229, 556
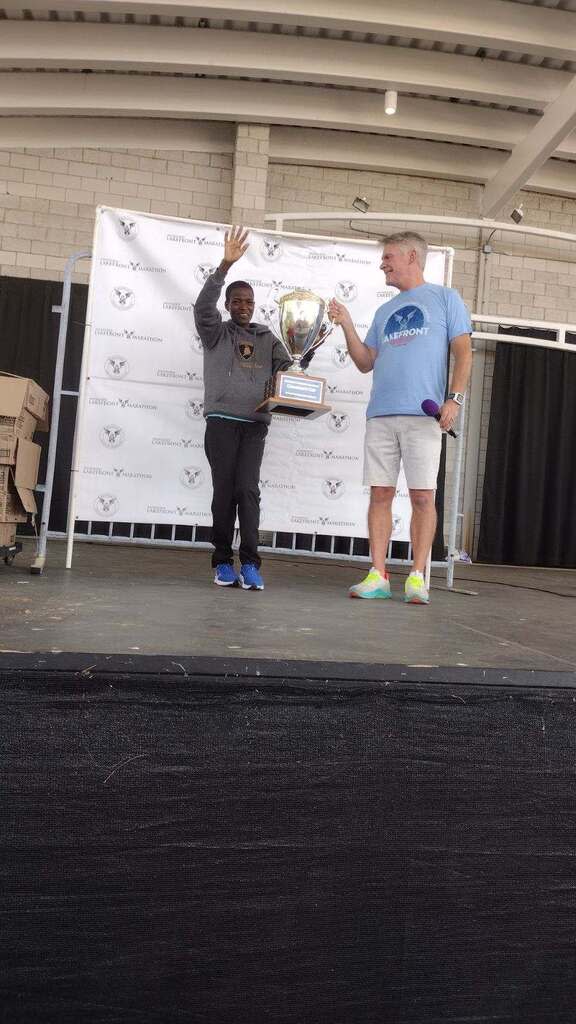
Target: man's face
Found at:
397, 261
240, 305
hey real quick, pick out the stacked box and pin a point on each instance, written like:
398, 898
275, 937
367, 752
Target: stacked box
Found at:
23, 410
7, 535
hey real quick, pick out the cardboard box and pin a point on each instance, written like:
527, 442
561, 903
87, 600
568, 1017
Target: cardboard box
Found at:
20, 394
7, 534
23, 425
17, 483
11, 508
8, 444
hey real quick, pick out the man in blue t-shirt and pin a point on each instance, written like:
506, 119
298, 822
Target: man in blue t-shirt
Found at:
407, 349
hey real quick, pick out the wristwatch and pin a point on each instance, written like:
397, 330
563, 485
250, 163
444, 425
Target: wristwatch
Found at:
457, 397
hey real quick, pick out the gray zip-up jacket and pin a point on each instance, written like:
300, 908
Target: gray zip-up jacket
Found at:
237, 360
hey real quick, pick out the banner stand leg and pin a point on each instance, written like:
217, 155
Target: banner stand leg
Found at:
71, 521
63, 310
455, 513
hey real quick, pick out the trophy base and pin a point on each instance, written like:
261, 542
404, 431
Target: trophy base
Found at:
293, 407
294, 394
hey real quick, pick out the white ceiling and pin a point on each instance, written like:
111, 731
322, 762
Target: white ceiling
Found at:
476, 81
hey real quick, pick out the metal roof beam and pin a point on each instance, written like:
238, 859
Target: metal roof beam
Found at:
493, 24
115, 133
318, 148
54, 45
532, 152
109, 95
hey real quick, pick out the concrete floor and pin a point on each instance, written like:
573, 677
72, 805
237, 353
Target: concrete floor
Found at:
119, 600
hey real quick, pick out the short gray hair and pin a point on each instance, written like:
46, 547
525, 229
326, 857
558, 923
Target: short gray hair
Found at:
409, 240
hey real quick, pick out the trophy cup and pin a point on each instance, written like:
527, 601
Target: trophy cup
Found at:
302, 329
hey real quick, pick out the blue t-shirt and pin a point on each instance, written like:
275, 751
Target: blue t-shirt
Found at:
411, 334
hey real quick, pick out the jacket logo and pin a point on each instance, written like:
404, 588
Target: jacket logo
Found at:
246, 349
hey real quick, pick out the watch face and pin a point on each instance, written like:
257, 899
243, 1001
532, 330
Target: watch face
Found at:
457, 397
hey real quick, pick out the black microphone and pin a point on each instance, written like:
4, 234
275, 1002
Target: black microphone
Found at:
430, 407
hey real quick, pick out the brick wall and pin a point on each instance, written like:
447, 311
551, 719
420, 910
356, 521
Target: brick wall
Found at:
251, 155
47, 198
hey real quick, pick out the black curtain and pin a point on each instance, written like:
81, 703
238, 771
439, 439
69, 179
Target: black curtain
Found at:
29, 338
529, 499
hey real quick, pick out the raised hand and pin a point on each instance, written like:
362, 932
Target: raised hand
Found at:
235, 244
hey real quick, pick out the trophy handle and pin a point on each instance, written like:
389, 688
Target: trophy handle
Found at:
324, 332
283, 343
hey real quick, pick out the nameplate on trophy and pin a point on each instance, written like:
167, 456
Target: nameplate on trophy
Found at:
295, 394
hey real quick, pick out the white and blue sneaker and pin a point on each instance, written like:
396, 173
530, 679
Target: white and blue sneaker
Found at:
250, 578
225, 575
415, 589
374, 585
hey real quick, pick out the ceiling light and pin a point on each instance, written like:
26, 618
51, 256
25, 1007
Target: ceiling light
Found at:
390, 101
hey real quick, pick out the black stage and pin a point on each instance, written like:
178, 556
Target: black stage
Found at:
276, 835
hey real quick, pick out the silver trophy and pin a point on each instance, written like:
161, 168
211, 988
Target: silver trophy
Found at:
303, 329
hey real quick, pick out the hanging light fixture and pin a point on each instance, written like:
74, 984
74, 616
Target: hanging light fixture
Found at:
361, 204
390, 101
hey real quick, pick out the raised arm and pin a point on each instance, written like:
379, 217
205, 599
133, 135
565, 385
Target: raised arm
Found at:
206, 313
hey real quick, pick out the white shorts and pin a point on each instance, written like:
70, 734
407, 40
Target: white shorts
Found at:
414, 440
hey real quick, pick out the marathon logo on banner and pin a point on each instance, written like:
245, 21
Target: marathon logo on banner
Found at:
172, 512
342, 256
320, 523
117, 472
134, 265
127, 334
326, 455
122, 403
141, 439
176, 442
199, 241
338, 421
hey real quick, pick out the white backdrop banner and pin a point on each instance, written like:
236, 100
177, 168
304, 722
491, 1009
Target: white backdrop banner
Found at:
141, 429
